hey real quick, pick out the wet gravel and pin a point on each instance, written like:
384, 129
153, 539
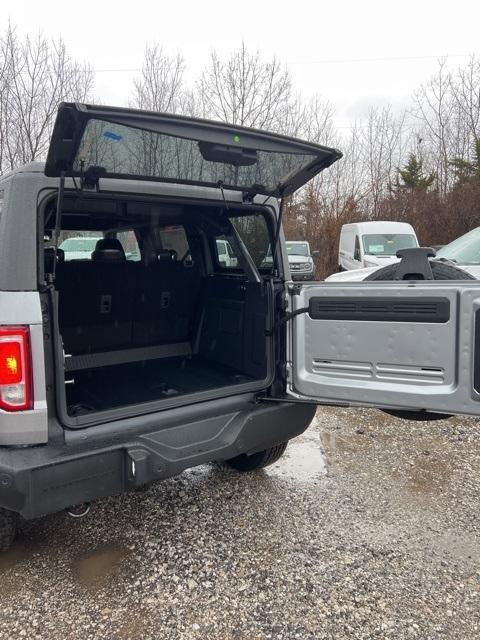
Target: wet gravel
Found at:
367, 528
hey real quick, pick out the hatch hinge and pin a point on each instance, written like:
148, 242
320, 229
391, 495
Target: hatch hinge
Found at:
295, 289
90, 180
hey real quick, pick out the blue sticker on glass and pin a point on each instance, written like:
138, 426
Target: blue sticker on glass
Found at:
112, 136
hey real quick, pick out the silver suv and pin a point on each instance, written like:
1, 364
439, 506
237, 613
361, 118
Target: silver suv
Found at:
147, 353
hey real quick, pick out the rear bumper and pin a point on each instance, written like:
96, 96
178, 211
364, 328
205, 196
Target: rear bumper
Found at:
36, 481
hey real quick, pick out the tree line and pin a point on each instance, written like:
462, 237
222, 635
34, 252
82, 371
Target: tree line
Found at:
420, 165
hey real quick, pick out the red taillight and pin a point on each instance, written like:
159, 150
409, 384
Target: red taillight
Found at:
15, 370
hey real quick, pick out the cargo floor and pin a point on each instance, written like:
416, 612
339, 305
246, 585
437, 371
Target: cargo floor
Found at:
122, 385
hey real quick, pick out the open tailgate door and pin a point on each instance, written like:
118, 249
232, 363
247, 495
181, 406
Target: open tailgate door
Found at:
130, 144
397, 345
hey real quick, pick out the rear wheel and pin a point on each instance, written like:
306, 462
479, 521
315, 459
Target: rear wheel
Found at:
258, 460
8, 528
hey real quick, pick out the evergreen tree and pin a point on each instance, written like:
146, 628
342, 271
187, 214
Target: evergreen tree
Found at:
412, 175
467, 169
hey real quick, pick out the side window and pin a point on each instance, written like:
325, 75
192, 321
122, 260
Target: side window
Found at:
129, 243
356, 251
173, 238
253, 231
78, 245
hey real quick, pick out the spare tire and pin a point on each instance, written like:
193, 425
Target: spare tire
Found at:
440, 271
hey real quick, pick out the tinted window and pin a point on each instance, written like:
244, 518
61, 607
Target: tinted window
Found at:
253, 231
130, 245
124, 150
174, 238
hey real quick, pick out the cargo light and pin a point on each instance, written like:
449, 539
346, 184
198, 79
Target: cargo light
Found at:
15, 369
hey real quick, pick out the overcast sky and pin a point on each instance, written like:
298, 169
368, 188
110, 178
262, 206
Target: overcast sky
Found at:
355, 53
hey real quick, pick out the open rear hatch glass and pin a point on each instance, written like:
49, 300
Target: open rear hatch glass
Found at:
112, 142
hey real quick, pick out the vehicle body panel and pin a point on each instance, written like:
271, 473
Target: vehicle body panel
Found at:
387, 344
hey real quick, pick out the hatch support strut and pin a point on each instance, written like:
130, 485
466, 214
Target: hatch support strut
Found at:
277, 234
58, 220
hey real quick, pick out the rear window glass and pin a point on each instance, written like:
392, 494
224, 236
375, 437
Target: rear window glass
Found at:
128, 151
129, 243
173, 238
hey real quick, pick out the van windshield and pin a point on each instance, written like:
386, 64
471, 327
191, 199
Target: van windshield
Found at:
297, 249
387, 244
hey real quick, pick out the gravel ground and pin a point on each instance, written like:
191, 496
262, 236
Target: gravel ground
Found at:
367, 528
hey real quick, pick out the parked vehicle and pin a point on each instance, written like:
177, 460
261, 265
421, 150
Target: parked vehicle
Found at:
371, 244
463, 253
300, 260
115, 373
225, 253
79, 247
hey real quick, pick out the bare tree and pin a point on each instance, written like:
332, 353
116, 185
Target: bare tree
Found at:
434, 109
36, 76
160, 85
246, 90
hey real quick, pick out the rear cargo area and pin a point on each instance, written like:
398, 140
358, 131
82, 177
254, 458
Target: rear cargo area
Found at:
161, 321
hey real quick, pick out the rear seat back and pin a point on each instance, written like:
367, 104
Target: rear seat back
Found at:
108, 303
96, 300
166, 298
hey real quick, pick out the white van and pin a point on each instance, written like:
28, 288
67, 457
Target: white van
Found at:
372, 244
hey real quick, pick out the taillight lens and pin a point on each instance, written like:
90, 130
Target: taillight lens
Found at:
15, 369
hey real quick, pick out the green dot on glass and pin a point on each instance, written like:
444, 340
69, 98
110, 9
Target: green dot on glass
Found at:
236, 138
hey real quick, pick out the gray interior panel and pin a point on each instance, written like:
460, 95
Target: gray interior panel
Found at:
418, 363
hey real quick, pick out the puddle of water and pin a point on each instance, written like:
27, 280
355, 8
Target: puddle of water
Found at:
428, 475
303, 461
17, 554
98, 567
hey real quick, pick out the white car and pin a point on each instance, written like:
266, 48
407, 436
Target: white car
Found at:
79, 247
463, 253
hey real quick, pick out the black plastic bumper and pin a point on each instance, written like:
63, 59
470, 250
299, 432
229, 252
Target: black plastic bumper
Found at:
40, 480
303, 276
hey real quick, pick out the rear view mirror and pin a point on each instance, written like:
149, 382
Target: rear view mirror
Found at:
315, 253
227, 154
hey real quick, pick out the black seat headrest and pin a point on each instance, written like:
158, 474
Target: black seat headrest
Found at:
49, 253
109, 250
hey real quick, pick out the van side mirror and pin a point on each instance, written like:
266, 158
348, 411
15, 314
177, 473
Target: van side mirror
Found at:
315, 253
356, 254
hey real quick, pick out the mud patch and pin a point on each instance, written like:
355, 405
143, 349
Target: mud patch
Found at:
428, 475
99, 567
